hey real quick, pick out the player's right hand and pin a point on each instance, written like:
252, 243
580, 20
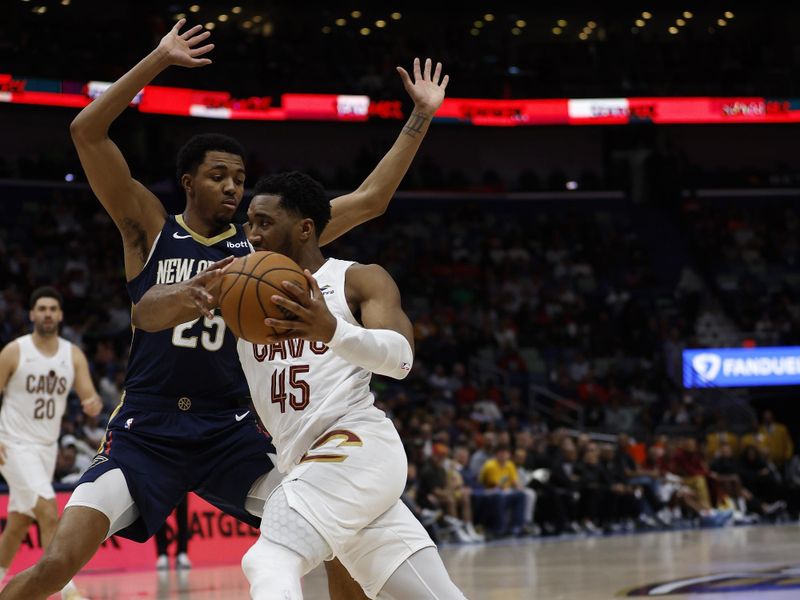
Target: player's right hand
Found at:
2, 453
202, 290
181, 48
426, 89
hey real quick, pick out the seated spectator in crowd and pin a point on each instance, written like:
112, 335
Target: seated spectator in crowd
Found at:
628, 506
719, 435
677, 497
74, 457
66, 470
758, 475
792, 486
625, 470
689, 464
427, 517
92, 431
461, 490
526, 479
437, 492
499, 476
598, 507
776, 438
559, 495
486, 443
725, 469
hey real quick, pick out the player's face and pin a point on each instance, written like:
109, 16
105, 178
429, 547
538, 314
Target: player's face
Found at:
46, 316
270, 226
218, 186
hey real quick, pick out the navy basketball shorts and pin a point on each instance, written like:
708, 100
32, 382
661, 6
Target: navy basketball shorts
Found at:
217, 453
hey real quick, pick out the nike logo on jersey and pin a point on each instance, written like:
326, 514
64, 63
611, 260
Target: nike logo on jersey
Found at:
240, 417
180, 237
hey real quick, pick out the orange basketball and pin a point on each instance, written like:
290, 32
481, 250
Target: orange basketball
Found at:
247, 288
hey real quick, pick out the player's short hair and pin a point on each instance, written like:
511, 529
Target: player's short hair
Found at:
193, 152
46, 291
300, 194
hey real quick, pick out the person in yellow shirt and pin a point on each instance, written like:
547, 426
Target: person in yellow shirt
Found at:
719, 436
775, 437
499, 476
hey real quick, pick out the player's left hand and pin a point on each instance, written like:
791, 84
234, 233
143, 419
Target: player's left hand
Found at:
314, 321
182, 49
92, 406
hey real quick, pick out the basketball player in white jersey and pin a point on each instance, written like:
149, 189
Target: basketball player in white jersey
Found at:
345, 463
37, 372
346, 466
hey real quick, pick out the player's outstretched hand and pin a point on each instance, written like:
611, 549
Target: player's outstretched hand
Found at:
314, 321
92, 406
182, 49
426, 90
202, 290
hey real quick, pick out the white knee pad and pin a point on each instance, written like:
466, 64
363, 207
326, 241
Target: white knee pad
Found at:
283, 525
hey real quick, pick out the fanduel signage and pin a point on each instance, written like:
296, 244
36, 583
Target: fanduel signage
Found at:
741, 367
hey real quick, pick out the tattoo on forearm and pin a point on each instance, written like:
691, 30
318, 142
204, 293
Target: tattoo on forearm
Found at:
415, 125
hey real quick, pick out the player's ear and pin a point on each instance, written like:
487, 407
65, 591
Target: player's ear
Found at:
186, 183
307, 229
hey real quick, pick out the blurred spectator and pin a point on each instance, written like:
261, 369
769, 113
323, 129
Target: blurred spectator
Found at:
720, 436
442, 488
499, 476
776, 438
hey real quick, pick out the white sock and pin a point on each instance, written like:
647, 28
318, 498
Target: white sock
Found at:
70, 587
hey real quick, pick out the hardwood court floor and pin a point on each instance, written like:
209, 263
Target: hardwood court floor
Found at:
719, 564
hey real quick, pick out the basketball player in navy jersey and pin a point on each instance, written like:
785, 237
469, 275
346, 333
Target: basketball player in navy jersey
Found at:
184, 423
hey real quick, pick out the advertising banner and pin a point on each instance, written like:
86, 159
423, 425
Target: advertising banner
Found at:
741, 367
215, 539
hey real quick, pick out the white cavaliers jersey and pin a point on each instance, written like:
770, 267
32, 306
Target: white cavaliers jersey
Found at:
301, 388
36, 395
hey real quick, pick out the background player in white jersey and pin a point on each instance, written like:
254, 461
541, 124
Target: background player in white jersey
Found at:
345, 464
37, 372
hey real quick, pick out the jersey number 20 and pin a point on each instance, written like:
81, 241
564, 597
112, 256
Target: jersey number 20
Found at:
44, 408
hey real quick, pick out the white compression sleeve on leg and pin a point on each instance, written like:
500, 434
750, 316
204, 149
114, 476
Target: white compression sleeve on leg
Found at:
381, 351
422, 577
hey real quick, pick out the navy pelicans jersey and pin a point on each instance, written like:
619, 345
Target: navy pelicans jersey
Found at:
195, 360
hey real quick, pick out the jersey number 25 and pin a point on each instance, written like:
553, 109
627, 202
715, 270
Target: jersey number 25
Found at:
211, 338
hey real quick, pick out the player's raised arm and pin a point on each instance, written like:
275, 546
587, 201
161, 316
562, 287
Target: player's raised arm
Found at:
136, 211
83, 384
373, 195
385, 345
